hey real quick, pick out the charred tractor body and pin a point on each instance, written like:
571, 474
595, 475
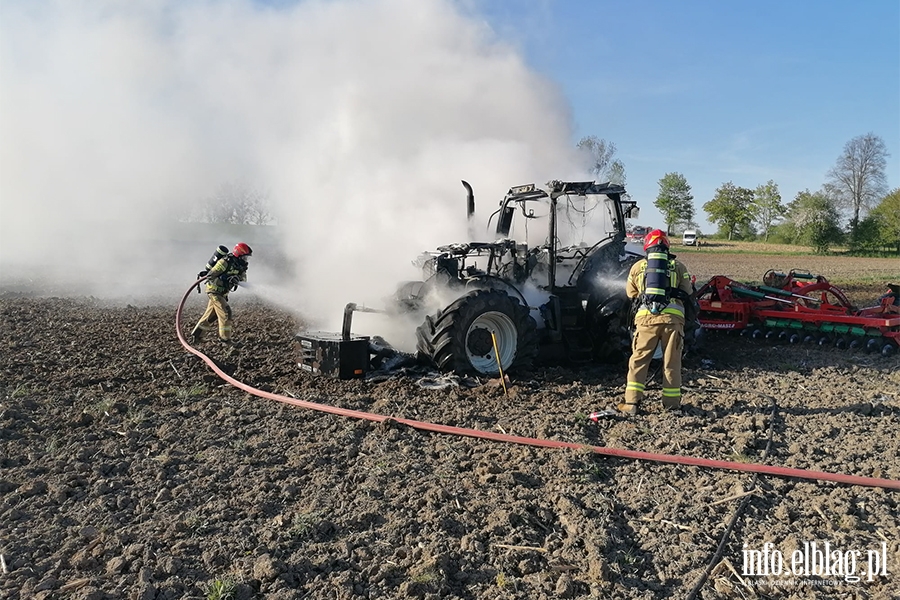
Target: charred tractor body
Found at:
556, 290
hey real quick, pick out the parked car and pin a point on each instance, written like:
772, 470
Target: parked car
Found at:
689, 238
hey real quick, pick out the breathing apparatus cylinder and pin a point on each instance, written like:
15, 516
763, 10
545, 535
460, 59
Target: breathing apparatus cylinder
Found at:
221, 252
656, 280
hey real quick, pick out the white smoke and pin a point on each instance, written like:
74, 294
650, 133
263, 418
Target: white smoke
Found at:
359, 118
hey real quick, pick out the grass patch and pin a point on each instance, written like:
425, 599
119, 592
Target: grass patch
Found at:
628, 560
191, 392
425, 577
730, 250
221, 589
137, 415
20, 392
100, 407
740, 457
501, 580
53, 445
303, 523
734, 246
595, 472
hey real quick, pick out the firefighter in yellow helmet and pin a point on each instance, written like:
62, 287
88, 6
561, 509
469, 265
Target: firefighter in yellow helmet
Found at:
663, 287
223, 276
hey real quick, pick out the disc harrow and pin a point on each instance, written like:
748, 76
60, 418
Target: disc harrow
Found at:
799, 307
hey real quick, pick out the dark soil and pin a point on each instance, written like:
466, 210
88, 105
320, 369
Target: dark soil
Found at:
129, 470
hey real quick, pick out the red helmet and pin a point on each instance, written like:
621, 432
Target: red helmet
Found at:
242, 249
657, 237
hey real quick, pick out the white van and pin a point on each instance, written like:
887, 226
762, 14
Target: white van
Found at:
689, 238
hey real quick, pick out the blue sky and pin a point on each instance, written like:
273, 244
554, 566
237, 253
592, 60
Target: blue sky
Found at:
719, 91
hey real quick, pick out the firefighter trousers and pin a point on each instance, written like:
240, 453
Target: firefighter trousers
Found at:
217, 310
649, 332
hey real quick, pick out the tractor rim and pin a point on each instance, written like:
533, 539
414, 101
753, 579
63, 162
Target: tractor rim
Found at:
480, 346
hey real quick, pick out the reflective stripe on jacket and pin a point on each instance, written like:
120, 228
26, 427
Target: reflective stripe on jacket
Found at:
226, 268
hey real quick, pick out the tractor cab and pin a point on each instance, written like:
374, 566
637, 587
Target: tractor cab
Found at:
562, 226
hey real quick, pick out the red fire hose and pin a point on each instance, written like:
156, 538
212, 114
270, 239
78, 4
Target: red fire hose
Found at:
488, 435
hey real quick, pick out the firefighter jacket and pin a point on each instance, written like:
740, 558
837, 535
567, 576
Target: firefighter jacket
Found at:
679, 279
221, 274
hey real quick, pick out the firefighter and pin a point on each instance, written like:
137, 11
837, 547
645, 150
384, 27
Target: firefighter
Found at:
223, 277
661, 286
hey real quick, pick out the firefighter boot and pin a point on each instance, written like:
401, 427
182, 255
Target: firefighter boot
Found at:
671, 403
627, 408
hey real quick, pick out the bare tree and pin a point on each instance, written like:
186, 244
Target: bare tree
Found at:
858, 180
257, 205
234, 202
603, 163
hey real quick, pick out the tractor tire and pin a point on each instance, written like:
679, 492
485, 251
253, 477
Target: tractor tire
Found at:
458, 338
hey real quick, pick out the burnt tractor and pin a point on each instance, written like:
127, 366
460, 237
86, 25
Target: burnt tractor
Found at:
556, 290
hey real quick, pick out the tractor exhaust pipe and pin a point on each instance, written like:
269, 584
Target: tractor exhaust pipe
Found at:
348, 317
470, 200
470, 209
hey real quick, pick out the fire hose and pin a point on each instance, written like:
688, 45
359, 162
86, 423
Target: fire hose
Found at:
528, 441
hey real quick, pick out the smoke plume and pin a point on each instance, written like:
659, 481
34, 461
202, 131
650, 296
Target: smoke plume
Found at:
358, 119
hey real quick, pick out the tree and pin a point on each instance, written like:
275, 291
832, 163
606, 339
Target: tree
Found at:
858, 180
731, 208
675, 201
816, 220
601, 156
616, 173
867, 235
888, 214
234, 202
767, 207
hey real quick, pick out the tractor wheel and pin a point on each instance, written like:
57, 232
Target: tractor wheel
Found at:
459, 339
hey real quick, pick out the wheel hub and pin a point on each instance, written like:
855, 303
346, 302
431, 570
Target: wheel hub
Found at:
479, 342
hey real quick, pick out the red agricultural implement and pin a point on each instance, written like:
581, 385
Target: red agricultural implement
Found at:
799, 307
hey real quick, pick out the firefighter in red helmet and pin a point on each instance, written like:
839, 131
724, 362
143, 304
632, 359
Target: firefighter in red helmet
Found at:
662, 286
224, 276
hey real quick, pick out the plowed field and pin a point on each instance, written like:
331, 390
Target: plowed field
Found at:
129, 470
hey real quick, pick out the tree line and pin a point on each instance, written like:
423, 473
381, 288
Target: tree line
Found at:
236, 202
855, 188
